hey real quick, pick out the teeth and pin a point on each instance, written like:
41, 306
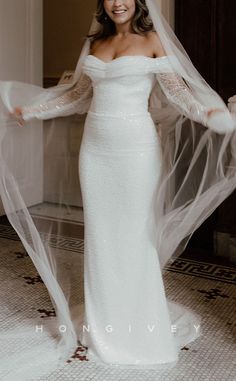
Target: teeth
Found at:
119, 11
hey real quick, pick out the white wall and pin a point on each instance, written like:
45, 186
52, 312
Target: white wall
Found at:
21, 40
21, 60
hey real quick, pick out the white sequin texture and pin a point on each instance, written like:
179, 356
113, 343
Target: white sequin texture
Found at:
120, 165
180, 95
71, 102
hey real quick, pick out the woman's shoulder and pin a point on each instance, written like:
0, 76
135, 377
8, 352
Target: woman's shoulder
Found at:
96, 44
155, 43
93, 44
153, 36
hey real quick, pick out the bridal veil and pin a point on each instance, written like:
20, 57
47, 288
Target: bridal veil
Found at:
199, 172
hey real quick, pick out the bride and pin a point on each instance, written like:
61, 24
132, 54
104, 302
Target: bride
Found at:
157, 157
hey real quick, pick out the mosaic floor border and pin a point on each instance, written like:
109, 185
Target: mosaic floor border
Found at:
181, 265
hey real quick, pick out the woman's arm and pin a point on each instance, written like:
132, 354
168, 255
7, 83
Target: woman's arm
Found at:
181, 96
219, 120
71, 102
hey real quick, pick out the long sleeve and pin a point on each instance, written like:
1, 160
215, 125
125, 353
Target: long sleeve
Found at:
179, 94
75, 100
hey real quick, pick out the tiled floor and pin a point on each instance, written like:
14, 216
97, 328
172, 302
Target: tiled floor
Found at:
198, 282
49, 210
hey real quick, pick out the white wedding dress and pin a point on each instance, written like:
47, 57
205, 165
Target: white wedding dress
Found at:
149, 176
126, 319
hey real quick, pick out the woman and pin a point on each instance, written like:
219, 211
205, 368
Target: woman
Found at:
136, 216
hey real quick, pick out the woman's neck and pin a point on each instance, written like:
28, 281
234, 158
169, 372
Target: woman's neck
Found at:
122, 30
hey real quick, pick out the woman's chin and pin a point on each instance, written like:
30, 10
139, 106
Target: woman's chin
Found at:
120, 19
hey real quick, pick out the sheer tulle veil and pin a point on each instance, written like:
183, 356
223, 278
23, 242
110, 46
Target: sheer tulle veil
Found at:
198, 174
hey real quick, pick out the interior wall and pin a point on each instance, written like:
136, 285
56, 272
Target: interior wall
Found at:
65, 26
21, 60
168, 10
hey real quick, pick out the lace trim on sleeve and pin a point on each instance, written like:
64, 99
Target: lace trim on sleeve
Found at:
73, 101
180, 95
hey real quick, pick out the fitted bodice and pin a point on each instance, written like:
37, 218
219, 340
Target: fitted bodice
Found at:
123, 85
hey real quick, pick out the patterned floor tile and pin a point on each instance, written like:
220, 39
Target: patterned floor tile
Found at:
207, 288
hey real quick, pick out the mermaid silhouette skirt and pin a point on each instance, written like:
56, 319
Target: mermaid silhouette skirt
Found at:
126, 316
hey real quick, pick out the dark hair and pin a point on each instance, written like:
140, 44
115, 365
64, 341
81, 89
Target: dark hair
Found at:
141, 22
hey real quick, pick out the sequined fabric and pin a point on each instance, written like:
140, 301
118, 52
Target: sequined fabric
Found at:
120, 161
74, 101
71, 102
180, 95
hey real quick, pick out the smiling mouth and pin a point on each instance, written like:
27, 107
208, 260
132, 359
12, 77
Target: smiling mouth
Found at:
120, 12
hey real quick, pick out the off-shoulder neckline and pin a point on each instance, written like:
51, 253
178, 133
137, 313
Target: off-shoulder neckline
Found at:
126, 56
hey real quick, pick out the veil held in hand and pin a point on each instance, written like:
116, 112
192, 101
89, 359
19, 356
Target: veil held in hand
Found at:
198, 174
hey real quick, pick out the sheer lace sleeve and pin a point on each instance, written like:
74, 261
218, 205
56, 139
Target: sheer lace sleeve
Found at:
179, 94
75, 100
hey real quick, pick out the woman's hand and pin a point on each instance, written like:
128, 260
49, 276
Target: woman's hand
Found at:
210, 112
223, 122
17, 114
